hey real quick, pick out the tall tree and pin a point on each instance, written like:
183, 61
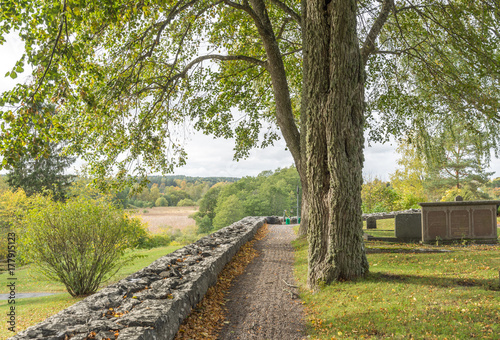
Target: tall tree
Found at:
456, 157
408, 179
125, 72
45, 169
37, 174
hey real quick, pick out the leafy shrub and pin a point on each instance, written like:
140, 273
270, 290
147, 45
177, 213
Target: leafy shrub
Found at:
187, 202
227, 212
161, 202
79, 243
204, 224
378, 196
153, 241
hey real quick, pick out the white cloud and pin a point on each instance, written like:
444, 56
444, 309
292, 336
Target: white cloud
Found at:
214, 157
10, 52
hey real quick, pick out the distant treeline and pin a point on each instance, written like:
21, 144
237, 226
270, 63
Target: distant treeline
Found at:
173, 180
163, 191
269, 193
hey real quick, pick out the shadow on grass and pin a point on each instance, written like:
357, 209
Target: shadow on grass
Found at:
486, 284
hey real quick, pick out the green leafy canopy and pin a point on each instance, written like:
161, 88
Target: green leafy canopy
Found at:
124, 75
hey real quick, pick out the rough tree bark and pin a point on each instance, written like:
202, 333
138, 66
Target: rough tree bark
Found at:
334, 90
328, 151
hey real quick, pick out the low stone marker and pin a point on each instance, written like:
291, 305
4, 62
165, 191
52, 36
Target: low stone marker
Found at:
371, 223
471, 220
408, 227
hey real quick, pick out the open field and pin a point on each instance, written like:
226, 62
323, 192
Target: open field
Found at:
160, 218
30, 311
408, 295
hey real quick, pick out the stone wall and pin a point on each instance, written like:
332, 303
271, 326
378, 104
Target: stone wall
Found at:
387, 215
151, 303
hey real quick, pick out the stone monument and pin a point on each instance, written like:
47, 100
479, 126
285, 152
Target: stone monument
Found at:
471, 220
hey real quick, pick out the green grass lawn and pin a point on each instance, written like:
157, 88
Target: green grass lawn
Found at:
453, 295
385, 228
30, 311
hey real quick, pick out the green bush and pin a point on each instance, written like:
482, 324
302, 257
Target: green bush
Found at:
187, 202
79, 243
154, 241
161, 202
204, 224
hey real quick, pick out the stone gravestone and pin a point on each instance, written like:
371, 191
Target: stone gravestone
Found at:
459, 198
371, 223
408, 227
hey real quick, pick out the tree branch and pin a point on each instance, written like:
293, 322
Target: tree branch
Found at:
291, 52
295, 16
53, 51
246, 7
369, 44
223, 58
282, 28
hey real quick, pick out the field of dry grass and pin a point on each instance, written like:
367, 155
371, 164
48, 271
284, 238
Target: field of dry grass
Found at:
160, 219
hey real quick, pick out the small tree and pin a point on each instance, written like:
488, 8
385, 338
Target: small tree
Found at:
187, 202
228, 211
378, 196
161, 202
44, 170
79, 243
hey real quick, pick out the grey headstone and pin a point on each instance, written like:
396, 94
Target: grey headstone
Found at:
459, 198
371, 223
408, 226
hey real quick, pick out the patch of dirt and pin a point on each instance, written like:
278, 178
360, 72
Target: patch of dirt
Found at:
263, 301
160, 218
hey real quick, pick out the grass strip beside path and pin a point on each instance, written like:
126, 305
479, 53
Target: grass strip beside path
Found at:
454, 295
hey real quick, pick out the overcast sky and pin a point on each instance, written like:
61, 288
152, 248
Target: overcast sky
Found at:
213, 157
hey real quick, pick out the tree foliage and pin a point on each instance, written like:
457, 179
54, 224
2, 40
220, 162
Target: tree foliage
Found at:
36, 175
454, 159
268, 194
437, 65
157, 63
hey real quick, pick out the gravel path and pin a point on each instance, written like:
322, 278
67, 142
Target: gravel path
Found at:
258, 306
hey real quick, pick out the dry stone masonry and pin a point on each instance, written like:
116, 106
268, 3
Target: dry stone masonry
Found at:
151, 303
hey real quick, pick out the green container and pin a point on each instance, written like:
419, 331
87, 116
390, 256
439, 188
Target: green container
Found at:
298, 220
287, 221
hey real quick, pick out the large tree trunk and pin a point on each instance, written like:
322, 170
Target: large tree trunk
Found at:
304, 209
304, 223
334, 87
